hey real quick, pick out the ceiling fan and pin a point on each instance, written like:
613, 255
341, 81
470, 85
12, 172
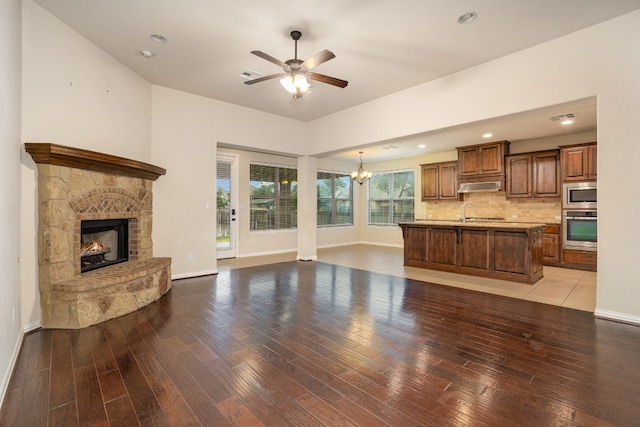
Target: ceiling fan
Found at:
295, 71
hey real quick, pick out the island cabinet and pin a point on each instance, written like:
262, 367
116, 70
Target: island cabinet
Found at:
506, 251
533, 175
440, 181
579, 162
483, 162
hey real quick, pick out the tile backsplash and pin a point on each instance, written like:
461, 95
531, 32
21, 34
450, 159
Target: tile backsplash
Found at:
494, 205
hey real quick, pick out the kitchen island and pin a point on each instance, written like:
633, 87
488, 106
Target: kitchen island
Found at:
500, 250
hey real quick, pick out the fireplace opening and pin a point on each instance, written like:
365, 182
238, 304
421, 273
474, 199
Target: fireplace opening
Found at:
103, 242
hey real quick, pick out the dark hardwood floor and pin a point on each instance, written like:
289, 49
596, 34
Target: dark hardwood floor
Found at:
313, 344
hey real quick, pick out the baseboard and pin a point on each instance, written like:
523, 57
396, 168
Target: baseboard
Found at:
12, 363
618, 317
193, 274
31, 326
388, 245
307, 258
252, 254
337, 245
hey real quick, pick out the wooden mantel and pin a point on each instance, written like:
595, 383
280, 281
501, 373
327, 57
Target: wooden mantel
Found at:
54, 154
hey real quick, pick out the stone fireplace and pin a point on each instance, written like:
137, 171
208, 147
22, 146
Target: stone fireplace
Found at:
85, 195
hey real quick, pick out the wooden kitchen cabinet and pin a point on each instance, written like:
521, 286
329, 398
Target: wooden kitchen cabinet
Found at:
533, 175
551, 244
579, 162
580, 260
440, 181
593, 162
483, 160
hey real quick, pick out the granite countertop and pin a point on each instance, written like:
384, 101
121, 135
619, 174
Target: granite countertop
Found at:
476, 223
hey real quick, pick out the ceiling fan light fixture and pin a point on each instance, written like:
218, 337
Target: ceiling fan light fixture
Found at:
295, 83
295, 71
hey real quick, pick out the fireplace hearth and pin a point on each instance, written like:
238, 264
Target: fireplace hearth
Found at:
103, 242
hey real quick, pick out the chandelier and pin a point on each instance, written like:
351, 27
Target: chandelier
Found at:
361, 176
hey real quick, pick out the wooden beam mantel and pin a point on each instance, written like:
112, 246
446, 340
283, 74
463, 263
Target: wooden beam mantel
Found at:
54, 154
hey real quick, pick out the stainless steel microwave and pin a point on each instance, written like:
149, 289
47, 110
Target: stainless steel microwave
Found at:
580, 195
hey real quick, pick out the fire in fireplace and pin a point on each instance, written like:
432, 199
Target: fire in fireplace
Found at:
103, 242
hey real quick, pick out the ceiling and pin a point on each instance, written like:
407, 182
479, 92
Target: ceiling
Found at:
526, 126
381, 47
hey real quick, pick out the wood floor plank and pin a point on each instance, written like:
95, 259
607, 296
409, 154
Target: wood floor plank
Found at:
11, 407
144, 401
206, 380
175, 407
64, 415
112, 385
61, 391
120, 412
238, 414
313, 344
89, 400
204, 407
323, 411
34, 400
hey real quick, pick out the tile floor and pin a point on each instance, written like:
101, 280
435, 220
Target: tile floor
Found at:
560, 286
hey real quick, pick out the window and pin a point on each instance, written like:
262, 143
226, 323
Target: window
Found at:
335, 199
273, 197
391, 198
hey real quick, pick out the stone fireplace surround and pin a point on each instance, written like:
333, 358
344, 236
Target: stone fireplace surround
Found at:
76, 185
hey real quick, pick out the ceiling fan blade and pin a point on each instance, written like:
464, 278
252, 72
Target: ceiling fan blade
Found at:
261, 79
269, 58
327, 79
318, 59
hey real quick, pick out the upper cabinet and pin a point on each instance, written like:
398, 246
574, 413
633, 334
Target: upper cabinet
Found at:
579, 162
484, 162
533, 175
440, 181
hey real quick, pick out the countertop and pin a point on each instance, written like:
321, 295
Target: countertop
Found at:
478, 224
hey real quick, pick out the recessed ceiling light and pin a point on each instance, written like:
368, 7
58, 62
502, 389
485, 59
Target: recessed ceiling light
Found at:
158, 38
147, 53
566, 122
467, 18
487, 135
422, 146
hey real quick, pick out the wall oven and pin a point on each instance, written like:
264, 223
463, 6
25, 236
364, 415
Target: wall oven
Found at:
580, 195
580, 229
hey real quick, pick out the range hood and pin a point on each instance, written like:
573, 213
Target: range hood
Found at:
480, 187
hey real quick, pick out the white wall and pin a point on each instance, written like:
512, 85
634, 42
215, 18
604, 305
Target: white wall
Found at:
598, 61
10, 81
73, 94
186, 131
